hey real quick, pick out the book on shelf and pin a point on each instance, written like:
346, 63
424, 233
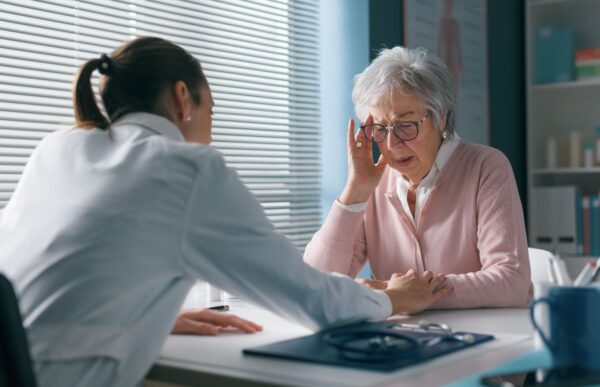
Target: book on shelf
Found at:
594, 226
587, 63
566, 221
587, 71
585, 200
588, 54
578, 223
553, 55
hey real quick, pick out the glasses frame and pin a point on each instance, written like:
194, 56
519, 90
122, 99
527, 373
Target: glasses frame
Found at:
392, 129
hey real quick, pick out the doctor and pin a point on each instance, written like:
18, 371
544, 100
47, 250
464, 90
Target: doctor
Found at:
114, 220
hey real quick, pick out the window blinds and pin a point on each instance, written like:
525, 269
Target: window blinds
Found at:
261, 59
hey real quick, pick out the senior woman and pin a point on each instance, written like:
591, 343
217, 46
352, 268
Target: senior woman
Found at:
432, 202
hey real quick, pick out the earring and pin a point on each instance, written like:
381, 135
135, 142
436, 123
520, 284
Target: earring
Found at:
188, 118
444, 134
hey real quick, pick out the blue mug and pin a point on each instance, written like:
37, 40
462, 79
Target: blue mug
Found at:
574, 337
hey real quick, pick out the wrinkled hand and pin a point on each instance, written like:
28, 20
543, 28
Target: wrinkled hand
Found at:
209, 322
411, 293
363, 173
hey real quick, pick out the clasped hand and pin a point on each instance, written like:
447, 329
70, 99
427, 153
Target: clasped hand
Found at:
411, 293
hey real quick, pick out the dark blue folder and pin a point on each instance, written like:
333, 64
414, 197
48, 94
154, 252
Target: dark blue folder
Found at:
358, 345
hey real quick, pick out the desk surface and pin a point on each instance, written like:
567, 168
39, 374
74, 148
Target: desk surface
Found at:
219, 359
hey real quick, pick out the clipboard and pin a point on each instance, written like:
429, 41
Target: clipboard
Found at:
317, 348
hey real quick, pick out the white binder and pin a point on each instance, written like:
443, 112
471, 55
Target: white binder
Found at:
555, 219
542, 233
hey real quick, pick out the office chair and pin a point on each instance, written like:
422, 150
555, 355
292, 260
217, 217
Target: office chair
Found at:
541, 265
15, 362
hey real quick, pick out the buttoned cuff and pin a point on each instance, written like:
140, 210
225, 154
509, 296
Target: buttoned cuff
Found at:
381, 299
356, 207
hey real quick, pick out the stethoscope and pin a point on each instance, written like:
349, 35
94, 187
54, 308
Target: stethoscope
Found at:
389, 343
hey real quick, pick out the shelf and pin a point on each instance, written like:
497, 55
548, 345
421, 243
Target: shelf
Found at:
537, 3
586, 257
594, 82
565, 171
555, 110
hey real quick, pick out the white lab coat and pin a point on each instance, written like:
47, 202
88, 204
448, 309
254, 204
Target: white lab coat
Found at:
108, 230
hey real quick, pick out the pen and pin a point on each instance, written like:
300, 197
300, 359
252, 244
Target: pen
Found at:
596, 276
586, 274
220, 308
560, 269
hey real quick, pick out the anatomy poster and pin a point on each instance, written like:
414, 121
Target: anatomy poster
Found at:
456, 31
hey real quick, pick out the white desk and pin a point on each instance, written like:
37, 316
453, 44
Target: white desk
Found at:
218, 360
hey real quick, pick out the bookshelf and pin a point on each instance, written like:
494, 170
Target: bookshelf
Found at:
595, 82
557, 109
536, 3
565, 171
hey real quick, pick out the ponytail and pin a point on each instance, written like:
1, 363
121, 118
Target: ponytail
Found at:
87, 113
135, 78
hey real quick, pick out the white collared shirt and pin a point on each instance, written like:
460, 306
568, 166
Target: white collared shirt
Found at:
446, 149
108, 230
424, 187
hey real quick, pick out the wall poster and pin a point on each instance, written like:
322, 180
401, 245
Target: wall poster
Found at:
456, 30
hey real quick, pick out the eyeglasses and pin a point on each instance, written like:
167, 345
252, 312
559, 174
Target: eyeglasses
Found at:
393, 341
404, 130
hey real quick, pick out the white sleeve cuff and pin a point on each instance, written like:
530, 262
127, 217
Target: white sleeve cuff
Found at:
386, 303
356, 207
381, 298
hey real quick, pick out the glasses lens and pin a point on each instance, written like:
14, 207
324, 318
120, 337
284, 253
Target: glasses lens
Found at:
375, 132
406, 131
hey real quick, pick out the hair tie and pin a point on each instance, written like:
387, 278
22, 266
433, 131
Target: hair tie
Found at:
106, 65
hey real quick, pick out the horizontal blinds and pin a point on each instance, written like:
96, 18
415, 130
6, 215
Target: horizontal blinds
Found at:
261, 59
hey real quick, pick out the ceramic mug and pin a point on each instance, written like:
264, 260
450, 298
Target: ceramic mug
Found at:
574, 325
542, 316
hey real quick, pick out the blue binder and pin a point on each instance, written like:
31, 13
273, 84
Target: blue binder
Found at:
594, 226
318, 347
553, 55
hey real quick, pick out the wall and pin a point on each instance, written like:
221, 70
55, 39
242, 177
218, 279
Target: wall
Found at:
506, 67
344, 53
385, 19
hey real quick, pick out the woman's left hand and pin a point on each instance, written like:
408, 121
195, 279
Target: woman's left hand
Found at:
209, 322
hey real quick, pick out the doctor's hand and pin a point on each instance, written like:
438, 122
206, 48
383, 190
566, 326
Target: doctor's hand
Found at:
373, 283
411, 293
363, 173
208, 322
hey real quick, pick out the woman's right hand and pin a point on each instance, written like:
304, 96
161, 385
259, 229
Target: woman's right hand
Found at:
363, 173
411, 293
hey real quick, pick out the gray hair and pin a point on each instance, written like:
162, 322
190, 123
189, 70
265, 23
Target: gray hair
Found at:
410, 71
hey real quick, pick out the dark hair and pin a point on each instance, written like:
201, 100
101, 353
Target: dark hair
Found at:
136, 76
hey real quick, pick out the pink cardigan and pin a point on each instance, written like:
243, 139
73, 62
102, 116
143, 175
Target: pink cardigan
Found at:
471, 228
